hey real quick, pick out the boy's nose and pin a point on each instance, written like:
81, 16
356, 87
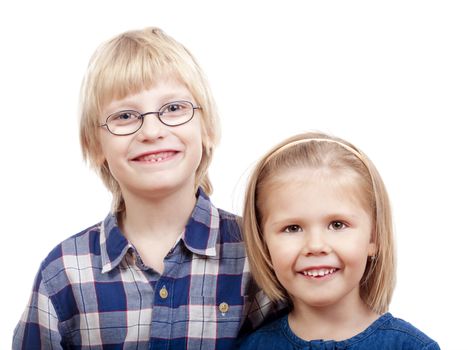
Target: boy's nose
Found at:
152, 128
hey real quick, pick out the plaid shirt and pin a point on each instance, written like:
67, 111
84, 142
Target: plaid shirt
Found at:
94, 292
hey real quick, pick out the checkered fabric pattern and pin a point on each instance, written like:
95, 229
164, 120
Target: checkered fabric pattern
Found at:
93, 291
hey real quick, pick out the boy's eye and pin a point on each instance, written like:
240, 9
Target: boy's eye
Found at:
176, 108
173, 107
123, 117
336, 225
292, 229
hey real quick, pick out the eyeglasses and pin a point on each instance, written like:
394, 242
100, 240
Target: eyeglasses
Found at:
128, 122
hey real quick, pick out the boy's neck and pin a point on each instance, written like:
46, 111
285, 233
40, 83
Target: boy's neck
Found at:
161, 216
153, 225
335, 322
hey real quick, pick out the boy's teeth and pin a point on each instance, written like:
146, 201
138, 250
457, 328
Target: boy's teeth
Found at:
319, 272
155, 157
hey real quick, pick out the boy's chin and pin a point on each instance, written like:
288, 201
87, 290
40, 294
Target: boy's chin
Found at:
165, 187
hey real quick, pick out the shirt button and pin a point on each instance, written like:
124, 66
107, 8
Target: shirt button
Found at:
223, 307
163, 293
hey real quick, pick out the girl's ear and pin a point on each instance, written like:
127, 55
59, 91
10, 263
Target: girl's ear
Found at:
371, 249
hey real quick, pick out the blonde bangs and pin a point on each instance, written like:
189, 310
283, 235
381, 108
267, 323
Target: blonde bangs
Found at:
129, 65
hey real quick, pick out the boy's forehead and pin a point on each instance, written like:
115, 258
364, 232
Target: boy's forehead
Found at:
163, 87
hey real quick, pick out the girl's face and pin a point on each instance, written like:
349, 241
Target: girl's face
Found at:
157, 159
319, 238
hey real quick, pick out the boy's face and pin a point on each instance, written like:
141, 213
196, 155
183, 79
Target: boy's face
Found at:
157, 159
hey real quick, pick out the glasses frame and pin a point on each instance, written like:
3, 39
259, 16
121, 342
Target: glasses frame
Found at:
142, 116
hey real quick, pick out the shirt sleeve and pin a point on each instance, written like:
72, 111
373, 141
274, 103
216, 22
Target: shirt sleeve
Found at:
38, 326
261, 310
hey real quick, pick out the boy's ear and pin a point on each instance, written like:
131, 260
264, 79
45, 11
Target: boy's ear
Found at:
99, 156
207, 145
100, 159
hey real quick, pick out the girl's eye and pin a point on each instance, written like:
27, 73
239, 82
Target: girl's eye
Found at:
292, 229
336, 225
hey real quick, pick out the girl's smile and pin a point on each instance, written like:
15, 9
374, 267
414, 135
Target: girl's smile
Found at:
319, 272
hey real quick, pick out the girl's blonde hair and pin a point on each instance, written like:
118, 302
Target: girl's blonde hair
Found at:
318, 150
125, 65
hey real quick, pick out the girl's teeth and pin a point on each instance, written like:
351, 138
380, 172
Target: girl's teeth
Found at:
321, 272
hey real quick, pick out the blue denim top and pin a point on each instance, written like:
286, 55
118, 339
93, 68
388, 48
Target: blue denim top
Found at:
386, 333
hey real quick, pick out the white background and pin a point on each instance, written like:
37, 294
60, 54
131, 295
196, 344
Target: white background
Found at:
391, 77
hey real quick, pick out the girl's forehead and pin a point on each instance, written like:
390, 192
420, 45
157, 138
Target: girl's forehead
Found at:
346, 183
305, 174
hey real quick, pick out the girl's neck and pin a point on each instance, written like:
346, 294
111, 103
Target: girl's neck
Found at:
335, 322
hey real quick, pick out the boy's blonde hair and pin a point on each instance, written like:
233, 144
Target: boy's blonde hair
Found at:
321, 151
127, 64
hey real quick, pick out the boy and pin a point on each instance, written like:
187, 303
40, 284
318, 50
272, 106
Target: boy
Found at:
165, 269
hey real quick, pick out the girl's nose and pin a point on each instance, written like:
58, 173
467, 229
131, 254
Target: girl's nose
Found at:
316, 243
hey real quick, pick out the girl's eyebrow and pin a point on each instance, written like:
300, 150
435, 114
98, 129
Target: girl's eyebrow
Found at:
281, 221
338, 215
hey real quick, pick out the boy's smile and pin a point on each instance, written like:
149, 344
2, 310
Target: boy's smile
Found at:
155, 156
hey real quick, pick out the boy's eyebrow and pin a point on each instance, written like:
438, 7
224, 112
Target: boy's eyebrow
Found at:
164, 98
176, 97
130, 103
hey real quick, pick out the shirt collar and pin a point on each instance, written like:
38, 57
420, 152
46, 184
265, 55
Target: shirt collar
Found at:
113, 243
202, 230
200, 234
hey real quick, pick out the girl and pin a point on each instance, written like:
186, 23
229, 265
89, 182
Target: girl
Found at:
165, 269
318, 231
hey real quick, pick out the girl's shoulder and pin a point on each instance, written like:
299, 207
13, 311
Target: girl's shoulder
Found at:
396, 331
387, 332
269, 336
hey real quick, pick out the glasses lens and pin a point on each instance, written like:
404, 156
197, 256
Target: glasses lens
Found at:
176, 113
124, 122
